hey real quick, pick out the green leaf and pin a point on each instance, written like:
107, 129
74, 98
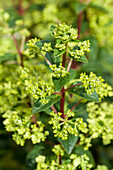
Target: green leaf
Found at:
79, 150
30, 159
53, 60
94, 66
69, 144
80, 110
38, 106
73, 73
60, 82
98, 8
93, 47
105, 56
82, 59
58, 53
7, 57
79, 7
80, 91
40, 43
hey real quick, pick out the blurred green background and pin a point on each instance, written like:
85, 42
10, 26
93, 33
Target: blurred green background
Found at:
96, 25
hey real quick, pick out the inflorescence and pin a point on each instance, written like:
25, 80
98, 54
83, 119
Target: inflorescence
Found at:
93, 83
63, 127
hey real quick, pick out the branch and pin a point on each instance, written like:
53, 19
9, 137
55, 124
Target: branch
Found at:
79, 23
72, 86
62, 90
76, 105
59, 159
47, 61
20, 8
49, 143
69, 65
34, 119
18, 50
57, 92
53, 108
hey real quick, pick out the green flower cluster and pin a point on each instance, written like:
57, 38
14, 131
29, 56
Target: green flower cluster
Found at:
100, 121
100, 124
105, 22
19, 26
58, 71
60, 46
63, 32
4, 16
81, 161
33, 48
35, 86
101, 167
85, 140
58, 150
12, 92
65, 41
20, 123
79, 51
63, 127
47, 47
93, 83
75, 162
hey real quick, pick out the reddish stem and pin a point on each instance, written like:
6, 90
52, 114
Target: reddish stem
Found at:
34, 119
62, 90
53, 108
19, 51
59, 159
57, 93
72, 86
79, 23
49, 143
62, 103
76, 105
20, 8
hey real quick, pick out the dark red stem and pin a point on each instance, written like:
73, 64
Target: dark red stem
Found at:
53, 108
62, 90
49, 143
59, 159
72, 86
76, 105
20, 8
34, 119
79, 23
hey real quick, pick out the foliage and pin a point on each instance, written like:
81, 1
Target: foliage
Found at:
56, 88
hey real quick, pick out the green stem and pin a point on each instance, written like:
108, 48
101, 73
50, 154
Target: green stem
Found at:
69, 65
22, 44
47, 61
